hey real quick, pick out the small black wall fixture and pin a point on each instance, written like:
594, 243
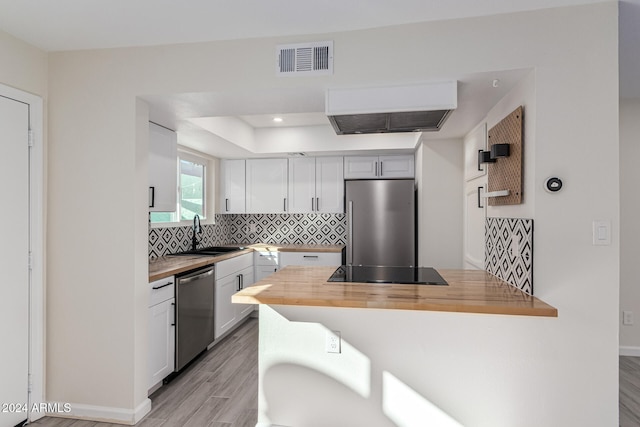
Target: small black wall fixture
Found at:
499, 151
484, 157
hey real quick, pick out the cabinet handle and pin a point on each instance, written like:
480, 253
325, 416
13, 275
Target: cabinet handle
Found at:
241, 281
162, 286
226, 204
310, 256
312, 205
152, 197
479, 158
285, 204
318, 204
479, 198
238, 278
376, 168
174, 314
380, 168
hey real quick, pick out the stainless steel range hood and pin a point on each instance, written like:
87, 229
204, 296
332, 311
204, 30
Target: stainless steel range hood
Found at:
411, 108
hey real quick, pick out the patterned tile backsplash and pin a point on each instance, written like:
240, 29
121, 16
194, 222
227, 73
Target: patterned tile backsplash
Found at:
322, 229
315, 229
500, 259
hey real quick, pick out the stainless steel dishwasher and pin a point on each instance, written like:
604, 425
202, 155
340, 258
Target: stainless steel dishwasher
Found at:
194, 314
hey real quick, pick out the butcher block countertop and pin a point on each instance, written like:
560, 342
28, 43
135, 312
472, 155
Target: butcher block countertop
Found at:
174, 264
469, 291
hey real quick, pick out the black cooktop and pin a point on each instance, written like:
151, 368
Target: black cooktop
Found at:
385, 274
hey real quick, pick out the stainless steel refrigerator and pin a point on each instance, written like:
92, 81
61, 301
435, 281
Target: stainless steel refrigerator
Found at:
381, 226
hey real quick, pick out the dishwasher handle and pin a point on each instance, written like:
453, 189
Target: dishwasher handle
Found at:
185, 280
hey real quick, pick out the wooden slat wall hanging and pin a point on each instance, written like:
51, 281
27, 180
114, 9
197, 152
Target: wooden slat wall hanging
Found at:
506, 172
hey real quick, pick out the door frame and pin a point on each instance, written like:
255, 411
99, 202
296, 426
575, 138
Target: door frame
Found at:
36, 243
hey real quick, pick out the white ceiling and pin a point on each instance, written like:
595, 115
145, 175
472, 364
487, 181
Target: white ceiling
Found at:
82, 24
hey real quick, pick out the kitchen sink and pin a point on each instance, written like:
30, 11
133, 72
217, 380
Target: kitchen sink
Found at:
212, 251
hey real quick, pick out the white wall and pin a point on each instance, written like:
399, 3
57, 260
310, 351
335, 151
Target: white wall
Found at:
440, 209
484, 370
97, 180
629, 224
24, 67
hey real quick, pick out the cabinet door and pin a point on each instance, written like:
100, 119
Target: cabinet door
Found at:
266, 185
243, 310
474, 219
475, 141
311, 258
233, 177
360, 167
396, 166
225, 313
302, 185
161, 358
329, 185
163, 169
264, 271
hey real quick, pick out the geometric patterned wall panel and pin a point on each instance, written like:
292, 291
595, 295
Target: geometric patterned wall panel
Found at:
312, 229
319, 229
169, 240
509, 251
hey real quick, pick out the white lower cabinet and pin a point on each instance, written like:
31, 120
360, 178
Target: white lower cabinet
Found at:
266, 263
311, 258
232, 275
161, 351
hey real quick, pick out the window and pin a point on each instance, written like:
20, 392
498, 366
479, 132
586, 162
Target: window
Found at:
192, 172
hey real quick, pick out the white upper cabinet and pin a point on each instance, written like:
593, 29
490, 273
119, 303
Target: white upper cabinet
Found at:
163, 169
474, 142
316, 185
302, 184
361, 167
367, 167
329, 185
266, 186
396, 166
232, 186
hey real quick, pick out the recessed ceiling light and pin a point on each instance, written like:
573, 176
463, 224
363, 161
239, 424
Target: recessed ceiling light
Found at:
277, 119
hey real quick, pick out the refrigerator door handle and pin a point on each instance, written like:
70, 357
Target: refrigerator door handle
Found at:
350, 236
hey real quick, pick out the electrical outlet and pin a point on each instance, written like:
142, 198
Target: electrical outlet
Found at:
627, 317
332, 343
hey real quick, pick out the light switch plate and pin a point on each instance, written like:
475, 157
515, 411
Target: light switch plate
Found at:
602, 232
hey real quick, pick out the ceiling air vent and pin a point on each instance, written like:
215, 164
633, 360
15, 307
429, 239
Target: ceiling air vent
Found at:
304, 59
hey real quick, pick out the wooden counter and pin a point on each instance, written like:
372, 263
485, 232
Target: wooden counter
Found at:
174, 264
469, 291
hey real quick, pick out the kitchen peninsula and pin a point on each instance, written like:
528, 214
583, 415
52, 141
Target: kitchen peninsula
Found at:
394, 342
469, 291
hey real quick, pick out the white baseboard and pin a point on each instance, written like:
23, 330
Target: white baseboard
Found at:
627, 350
102, 413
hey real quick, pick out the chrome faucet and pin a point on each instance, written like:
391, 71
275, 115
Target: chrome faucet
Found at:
196, 229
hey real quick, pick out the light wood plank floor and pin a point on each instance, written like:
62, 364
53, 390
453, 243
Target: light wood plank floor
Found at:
220, 389
629, 391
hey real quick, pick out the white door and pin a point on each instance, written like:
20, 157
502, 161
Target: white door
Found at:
14, 251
